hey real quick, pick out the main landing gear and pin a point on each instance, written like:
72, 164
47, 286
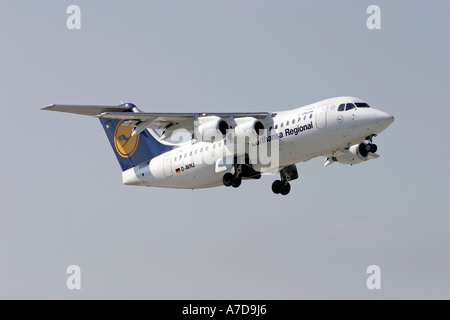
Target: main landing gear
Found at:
246, 171
233, 180
280, 187
287, 174
241, 170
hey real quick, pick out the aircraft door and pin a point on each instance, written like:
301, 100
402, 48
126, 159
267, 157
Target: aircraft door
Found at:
168, 167
321, 116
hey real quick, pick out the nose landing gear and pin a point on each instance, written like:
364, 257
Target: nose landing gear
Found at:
371, 147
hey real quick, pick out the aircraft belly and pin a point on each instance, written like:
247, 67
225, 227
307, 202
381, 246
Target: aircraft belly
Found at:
188, 174
308, 146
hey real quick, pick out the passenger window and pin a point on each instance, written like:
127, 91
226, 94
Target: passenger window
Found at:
175, 160
341, 107
299, 119
206, 149
293, 121
304, 118
201, 149
287, 123
276, 126
214, 146
282, 124
180, 156
195, 151
190, 153
350, 106
220, 144
185, 155
310, 116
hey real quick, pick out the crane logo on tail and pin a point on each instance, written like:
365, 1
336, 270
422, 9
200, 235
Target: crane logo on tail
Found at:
124, 143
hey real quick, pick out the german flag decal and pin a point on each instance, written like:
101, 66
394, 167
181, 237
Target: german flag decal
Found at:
177, 170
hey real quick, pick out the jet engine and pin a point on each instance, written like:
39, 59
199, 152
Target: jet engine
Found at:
248, 127
211, 129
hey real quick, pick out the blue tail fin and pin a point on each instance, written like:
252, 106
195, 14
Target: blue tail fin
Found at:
131, 151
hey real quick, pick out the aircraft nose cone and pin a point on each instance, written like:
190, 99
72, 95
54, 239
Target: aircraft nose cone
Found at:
391, 119
384, 119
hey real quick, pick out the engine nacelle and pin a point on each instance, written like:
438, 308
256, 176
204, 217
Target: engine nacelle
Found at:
248, 127
211, 129
355, 154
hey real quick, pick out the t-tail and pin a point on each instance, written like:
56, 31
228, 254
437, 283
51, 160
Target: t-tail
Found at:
130, 150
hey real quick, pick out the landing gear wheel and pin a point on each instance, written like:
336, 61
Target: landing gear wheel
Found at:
227, 179
277, 186
286, 189
236, 182
371, 147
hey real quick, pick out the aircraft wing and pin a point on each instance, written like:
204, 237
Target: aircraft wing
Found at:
163, 121
159, 121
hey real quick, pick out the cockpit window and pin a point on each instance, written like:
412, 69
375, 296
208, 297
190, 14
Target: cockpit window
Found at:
341, 107
362, 105
349, 106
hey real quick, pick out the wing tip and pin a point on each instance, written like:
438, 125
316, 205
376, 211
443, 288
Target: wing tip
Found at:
47, 107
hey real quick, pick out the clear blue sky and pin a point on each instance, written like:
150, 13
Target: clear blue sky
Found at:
62, 201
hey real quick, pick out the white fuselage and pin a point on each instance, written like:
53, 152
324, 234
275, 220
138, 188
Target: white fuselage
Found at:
304, 133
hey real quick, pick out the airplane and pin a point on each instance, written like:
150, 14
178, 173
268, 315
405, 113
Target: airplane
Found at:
221, 147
